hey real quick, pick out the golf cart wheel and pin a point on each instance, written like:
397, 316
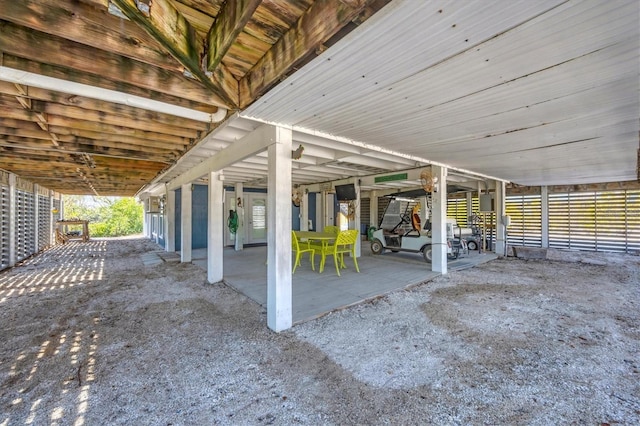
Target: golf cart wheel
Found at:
427, 253
376, 247
472, 245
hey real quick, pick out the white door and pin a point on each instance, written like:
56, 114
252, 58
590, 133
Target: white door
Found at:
256, 220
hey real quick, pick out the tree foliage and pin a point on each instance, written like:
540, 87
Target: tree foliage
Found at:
107, 216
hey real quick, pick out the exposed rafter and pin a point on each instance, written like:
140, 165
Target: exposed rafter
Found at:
167, 25
230, 22
321, 21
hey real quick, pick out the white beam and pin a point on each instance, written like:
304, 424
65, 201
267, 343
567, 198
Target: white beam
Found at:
185, 223
439, 221
215, 238
279, 292
356, 219
50, 83
249, 145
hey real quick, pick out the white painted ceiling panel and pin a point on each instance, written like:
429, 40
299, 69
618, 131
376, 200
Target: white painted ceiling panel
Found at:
537, 93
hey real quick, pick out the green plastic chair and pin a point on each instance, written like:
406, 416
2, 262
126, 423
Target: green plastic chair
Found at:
299, 249
345, 243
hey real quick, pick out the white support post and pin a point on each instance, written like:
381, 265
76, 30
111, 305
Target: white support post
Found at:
215, 219
36, 217
304, 210
52, 225
12, 219
320, 202
279, 292
239, 245
170, 222
439, 221
424, 212
544, 205
501, 232
470, 205
356, 219
373, 209
185, 223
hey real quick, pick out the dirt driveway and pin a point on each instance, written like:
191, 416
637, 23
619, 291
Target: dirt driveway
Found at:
89, 335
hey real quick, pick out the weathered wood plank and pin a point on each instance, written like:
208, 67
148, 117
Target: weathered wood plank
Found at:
229, 23
53, 50
98, 105
321, 21
76, 113
66, 134
167, 25
87, 147
91, 26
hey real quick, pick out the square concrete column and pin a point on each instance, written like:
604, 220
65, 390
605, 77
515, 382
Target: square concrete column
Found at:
215, 219
185, 223
439, 221
170, 222
279, 293
501, 231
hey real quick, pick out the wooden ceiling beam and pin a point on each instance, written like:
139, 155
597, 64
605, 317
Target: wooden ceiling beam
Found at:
8, 127
75, 57
37, 93
172, 30
92, 26
122, 151
321, 21
76, 113
228, 24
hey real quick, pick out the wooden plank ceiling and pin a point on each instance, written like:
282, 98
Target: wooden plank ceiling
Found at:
196, 54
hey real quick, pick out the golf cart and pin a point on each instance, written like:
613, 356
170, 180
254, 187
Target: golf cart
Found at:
400, 230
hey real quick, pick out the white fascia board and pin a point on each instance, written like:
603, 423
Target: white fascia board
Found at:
49, 83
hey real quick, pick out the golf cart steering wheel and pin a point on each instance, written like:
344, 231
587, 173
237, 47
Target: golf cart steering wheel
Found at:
405, 218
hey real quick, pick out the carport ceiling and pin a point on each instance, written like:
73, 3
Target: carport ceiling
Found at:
535, 92
191, 57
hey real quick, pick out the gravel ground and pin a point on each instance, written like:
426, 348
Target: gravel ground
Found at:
89, 335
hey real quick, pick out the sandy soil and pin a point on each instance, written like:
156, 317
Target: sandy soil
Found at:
89, 335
